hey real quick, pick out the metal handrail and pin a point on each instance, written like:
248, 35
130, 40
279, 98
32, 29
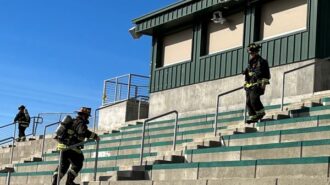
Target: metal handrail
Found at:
4, 126
35, 125
215, 125
43, 141
74, 146
283, 78
151, 119
142, 76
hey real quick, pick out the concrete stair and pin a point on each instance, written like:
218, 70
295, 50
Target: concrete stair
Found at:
287, 145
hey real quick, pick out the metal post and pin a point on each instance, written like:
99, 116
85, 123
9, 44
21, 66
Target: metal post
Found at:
104, 92
216, 117
96, 160
116, 91
59, 168
94, 121
282, 95
139, 109
175, 129
129, 86
12, 148
142, 141
8, 178
245, 110
136, 91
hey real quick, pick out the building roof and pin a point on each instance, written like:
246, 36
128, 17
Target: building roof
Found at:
178, 12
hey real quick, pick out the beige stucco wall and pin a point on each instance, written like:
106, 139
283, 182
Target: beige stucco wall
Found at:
226, 36
279, 17
177, 47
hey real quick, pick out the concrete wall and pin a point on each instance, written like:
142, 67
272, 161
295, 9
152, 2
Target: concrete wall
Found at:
115, 116
201, 98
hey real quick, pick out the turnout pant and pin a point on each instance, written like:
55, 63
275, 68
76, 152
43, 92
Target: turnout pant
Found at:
21, 131
73, 158
253, 102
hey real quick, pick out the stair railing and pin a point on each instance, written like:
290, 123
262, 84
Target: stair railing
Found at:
44, 139
154, 118
216, 115
74, 146
283, 80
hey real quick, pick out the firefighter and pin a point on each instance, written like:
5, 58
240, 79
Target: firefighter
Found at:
257, 76
70, 132
23, 120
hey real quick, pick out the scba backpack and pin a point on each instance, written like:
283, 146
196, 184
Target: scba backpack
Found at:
63, 131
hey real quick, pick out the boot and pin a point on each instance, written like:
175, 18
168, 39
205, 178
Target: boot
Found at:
54, 180
23, 138
70, 179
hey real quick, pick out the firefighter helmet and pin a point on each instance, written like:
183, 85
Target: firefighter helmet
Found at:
21, 107
253, 47
85, 110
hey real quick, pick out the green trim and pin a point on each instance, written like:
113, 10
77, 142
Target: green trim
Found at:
174, 166
227, 164
307, 160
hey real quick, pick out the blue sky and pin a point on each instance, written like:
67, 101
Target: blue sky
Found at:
54, 55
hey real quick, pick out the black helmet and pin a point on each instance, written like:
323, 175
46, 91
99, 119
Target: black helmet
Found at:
21, 107
85, 110
253, 47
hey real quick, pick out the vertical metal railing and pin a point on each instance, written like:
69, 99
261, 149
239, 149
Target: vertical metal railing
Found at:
216, 115
74, 146
157, 117
283, 80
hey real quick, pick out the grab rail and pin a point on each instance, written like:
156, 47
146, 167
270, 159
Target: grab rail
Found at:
283, 80
217, 109
151, 119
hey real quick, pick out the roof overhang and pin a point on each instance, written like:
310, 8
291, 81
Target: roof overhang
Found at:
182, 12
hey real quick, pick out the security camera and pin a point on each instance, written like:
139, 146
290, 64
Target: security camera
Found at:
134, 34
218, 17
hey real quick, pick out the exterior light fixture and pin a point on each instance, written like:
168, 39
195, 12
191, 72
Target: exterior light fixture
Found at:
218, 18
134, 34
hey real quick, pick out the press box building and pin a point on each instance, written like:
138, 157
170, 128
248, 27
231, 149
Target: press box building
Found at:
194, 59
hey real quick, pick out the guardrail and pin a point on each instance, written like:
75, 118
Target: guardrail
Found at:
73, 146
215, 125
151, 119
283, 78
124, 87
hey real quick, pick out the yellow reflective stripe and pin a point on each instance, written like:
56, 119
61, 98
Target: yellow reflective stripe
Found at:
61, 146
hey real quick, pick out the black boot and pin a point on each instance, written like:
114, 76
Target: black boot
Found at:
54, 180
70, 179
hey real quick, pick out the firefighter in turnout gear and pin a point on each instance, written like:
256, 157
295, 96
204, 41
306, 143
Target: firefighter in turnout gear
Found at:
70, 132
257, 76
23, 120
